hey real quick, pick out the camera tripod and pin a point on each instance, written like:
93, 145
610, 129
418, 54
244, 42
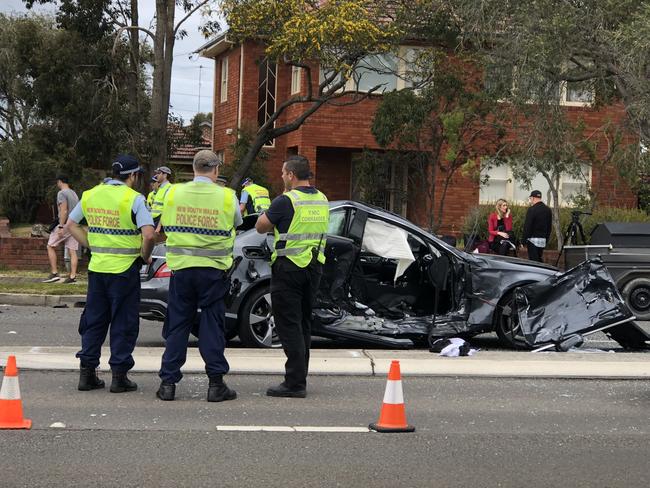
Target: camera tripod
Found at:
571, 234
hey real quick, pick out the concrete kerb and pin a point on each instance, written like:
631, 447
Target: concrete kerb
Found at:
356, 362
34, 300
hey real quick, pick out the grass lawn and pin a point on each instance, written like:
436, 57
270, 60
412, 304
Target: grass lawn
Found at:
44, 288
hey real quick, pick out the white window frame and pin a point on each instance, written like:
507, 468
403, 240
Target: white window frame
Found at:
511, 183
296, 79
574, 103
223, 94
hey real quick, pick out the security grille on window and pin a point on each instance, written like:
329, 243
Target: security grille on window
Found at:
266, 91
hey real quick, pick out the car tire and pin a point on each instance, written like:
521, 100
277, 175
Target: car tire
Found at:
637, 297
506, 324
256, 325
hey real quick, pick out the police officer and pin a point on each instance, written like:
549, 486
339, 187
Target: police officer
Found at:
120, 230
254, 198
299, 219
153, 186
162, 175
199, 220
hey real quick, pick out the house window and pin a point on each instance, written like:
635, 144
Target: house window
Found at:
578, 92
503, 81
296, 74
502, 184
376, 70
220, 155
224, 80
410, 67
324, 73
266, 92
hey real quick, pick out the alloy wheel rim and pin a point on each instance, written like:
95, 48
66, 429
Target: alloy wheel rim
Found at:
261, 322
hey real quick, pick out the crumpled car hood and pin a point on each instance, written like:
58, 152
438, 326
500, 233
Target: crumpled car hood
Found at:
582, 300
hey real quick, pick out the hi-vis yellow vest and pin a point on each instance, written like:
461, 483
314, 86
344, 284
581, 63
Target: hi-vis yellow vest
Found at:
307, 231
158, 198
259, 197
150, 197
115, 241
198, 219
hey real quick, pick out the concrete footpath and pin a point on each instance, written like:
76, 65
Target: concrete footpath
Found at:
363, 362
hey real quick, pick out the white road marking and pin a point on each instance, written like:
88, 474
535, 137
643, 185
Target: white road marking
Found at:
331, 429
285, 428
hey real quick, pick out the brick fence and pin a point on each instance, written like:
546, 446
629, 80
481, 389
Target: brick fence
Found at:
28, 253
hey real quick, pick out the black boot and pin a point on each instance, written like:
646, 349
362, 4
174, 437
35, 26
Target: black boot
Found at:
121, 383
166, 392
88, 379
282, 390
218, 391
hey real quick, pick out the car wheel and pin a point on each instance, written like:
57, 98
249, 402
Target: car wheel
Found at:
257, 327
507, 324
637, 297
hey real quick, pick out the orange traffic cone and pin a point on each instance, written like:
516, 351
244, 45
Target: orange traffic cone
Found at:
11, 408
392, 417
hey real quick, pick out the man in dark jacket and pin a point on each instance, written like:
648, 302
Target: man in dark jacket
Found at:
537, 227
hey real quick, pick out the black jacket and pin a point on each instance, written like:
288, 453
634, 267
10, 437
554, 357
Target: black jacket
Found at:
538, 221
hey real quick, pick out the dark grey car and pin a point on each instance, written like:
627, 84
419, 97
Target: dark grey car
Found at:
386, 282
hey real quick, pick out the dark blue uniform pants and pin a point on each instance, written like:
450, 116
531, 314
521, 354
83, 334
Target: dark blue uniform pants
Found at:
113, 299
189, 289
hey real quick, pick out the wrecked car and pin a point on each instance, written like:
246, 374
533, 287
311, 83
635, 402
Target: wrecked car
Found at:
386, 282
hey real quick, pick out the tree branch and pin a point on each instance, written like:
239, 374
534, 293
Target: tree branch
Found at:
189, 14
131, 27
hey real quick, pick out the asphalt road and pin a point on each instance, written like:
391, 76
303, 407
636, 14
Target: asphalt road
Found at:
46, 326
470, 432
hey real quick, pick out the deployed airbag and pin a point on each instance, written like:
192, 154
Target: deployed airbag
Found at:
390, 242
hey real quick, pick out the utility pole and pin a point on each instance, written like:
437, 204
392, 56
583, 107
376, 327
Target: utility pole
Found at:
200, 71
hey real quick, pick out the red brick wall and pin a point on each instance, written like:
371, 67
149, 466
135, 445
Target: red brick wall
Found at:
26, 253
225, 114
30, 253
334, 170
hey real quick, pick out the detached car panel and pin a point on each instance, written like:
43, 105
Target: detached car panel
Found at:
581, 301
386, 282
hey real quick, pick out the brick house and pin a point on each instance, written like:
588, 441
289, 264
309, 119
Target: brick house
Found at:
246, 86
182, 154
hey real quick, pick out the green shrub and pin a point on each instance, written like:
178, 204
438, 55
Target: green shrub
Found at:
477, 220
